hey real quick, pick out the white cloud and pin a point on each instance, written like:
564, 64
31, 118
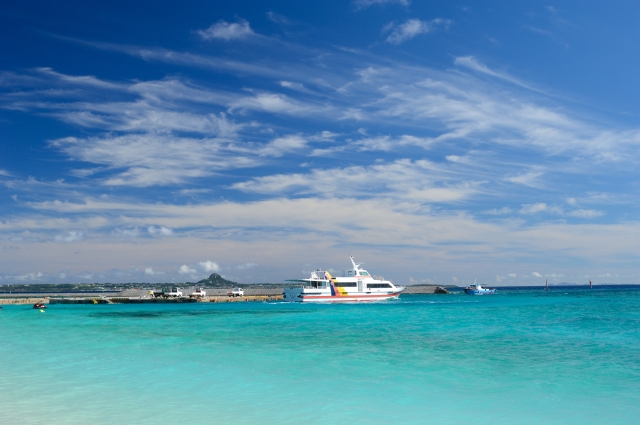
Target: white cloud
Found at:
273, 229
388, 143
184, 269
275, 103
191, 192
227, 31
277, 18
86, 172
543, 207
472, 63
458, 159
528, 179
421, 181
84, 80
153, 159
586, 213
411, 28
292, 85
324, 136
151, 54
71, 236
464, 109
533, 208
501, 211
513, 275
28, 277
127, 233
247, 266
150, 118
159, 231
209, 266
150, 272
465, 106
282, 145
363, 4
536, 274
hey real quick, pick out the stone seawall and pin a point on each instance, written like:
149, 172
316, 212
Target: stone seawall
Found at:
214, 295
24, 301
147, 300
425, 289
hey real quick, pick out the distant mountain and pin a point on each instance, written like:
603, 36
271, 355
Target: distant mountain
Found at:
216, 280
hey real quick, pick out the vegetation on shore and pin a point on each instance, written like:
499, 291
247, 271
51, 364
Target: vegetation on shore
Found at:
213, 281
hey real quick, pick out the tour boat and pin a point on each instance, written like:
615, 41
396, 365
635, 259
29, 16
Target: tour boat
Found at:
352, 286
477, 289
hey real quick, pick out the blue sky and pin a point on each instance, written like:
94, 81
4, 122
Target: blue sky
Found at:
437, 142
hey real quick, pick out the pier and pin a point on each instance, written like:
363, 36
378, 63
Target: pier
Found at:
142, 296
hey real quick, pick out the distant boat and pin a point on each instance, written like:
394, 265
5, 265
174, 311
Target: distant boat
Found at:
590, 284
546, 285
477, 289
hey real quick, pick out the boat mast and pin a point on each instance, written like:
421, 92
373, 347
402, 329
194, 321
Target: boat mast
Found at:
355, 266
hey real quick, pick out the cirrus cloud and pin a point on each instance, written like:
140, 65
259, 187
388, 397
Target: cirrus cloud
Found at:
413, 27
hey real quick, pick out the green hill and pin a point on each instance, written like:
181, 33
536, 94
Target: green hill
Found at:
216, 280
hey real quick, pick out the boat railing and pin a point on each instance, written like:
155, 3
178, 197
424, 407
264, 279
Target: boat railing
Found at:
303, 286
298, 286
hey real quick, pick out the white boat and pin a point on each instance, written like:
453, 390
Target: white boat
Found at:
354, 285
477, 289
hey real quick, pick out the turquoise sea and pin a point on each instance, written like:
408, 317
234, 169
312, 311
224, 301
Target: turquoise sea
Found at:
569, 356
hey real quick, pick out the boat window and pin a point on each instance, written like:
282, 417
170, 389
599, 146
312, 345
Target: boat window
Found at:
378, 285
346, 284
364, 274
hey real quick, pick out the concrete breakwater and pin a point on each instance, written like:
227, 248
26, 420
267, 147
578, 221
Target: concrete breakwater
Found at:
31, 300
147, 300
425, 289
134, 300
141, 296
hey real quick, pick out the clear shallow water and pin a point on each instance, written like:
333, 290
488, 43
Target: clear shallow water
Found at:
520, 357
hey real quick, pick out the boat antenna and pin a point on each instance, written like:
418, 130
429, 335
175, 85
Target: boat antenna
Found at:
355, 266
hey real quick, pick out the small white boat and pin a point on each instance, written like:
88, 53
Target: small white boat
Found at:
477, 289
354, 285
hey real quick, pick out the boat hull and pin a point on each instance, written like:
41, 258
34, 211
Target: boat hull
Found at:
480, 292
300, 297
